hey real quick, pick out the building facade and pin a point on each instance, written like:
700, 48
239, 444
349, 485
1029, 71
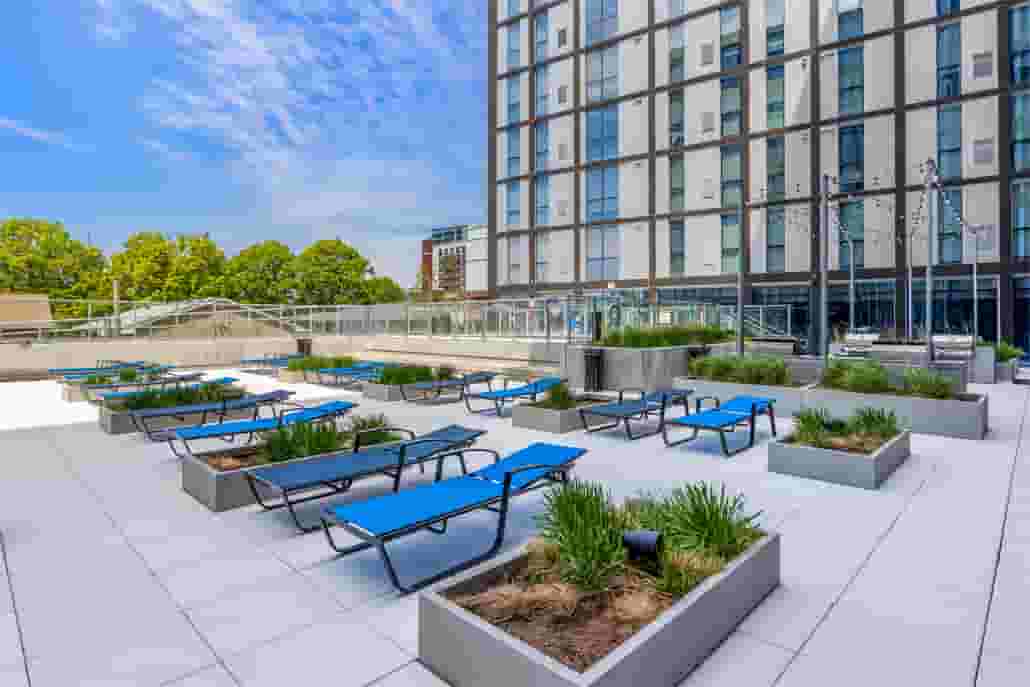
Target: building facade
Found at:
651, 148
454, 261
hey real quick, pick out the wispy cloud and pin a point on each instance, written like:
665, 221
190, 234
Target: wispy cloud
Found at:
52, 138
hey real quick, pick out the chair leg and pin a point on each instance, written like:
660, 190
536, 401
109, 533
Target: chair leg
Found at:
772, 420
665, 436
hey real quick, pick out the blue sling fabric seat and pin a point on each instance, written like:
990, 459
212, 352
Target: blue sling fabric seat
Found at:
437, 388
335, 473
358, 372
217, 409
502, 396
180, 382
723, 418
623, 410
110, 367
382, 519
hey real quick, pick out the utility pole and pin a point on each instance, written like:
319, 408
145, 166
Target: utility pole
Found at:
933, 214
824, 266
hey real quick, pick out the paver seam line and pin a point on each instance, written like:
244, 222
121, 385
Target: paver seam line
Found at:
121, 533
14, 609
182, 678
398, 669
1001, 545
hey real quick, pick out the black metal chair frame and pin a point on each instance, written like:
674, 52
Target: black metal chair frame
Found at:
748, 420
669, 399
460, 384
499, 403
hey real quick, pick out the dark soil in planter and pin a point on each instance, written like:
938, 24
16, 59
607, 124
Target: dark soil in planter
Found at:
854, 443
237, 459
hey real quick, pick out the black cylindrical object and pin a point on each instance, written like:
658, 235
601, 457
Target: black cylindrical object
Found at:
643, 544
304, 346
593, 361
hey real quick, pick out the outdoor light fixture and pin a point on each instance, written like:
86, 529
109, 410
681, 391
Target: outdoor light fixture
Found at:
643, 544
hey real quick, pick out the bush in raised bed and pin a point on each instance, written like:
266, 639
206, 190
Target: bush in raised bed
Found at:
182, 396
582, 523
658, 337
558, 398
864, 377
864, 432
1004, 352
445, 373
93, 380
920, 382
318, 362
405, 374
763, 370
300, 440
128, 374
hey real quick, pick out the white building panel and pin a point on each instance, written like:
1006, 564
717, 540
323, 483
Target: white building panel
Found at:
879, 152
559, 75
756, 32
828, 21
634, 189
758, 243
636, 251
562, 188
759, 101
917, 10
920, 65
799, 164
704, 245
662, 254
634, 60
829, 97
661, 120
878, 60
500, 208
634, 127
561, 132
796, 29
759, 173
921, 127
633, 15
981, 208
980, 156
798, 238
916, 232
661, 57
559, 19
830, 151
561, 256
878, 15
798, 92
662, 185
502, 261
979, 45
879, 232
703, 35
704, 111
703, 173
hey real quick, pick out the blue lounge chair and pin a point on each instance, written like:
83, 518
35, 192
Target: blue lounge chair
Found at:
623, 410
501, 397
228, 431
726, 417
103, 367
359, 372
383, 519
272, 361
100, 391
179, 383
213, 409
437, 388
335, 473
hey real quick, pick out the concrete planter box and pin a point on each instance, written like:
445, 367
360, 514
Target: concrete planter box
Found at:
381, 392
840, 467
216, 489
528, 416
72, 393
1004, 372
965, 417
789, 399
466, 651
120, 421
632, 368
984, 365
291, 376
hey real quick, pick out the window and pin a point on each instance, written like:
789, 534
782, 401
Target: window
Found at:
729, 20
514, 99
563, 95
563, 152
707, 54
730, 103
677, 117
602, 253
775, 18
1019, 44
678, 53
983, 65
851, 80
677, 184
949, 237
775, 240
949, 61
516, 251
946, 7
602, 19
543, 100
852, 158
983, 151
776, 167
852, 224
1021, 219
514, 8
514, 46
949, 141
543, 145
677, 7
543, 249
514, 152
730, 243
603, 193
542, 28
774, 93
849, 19
563, 37
677, 249
1021, 132
513, 205
603, 133
542, 188
603, 74
732, 177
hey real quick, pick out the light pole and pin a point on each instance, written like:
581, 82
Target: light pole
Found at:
824, 266
933, 213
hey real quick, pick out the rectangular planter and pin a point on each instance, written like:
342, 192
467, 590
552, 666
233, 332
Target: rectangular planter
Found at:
632, 368
984, 366
467, 651
72, 393
965, 417
216, 489
789, 400
381, 392
120, 421
1004, 372
840, 467
529, 416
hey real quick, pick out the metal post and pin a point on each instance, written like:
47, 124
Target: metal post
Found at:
910, 302
824, 266
976, 290
740, 287
851, 282
932, 201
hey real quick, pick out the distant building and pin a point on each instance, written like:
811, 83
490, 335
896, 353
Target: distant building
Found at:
24, 314
454, 262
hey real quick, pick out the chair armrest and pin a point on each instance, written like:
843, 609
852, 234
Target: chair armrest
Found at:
700, 399
461, 452
357, 437
624, 391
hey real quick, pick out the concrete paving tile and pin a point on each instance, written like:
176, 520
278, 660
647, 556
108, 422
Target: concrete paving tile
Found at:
1001, 669
352, 581
789, 615
412, 675
194, 583
319, 655
14, 677
740, 660
10, 642
395, 617
213, 676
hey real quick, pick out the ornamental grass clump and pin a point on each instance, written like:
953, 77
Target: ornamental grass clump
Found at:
301, 440
179, 396
927, 384
864, 377
312, 363
1004, 352
405, 374
864, 432
128, 374
558, 398
658, 337
95, 380
763, 370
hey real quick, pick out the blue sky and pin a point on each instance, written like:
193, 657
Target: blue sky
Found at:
247, 119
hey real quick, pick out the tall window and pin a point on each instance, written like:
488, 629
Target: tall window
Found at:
602, 19
776, 167
949, 141
514, 152
730, 243
677, 117
1021, 219
603, 193
543, 249
513, 204
514, 7
949, 239
852, 158
949, 61
1021, 132
731, 107
541, 31
603, 74
775, 18
602, 253
543, 145
678, 53
516, 253
543, 99
775, 95
729, 20
775, 240
603, 133
514, 98
542, 187
852, 223
851, 68
1019, 44
677, 7
677, 248
732, 177
946, 7
514, 45
849, 19
677, 184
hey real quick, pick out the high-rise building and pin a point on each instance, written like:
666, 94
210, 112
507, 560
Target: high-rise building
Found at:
454, 261
646, 149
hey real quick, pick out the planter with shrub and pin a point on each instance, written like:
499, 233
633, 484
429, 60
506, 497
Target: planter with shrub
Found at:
577, 607
306, 369
863, 451
726, 376
218, 480
126, 379
1006, 358
558, 413
115, 417
388, 387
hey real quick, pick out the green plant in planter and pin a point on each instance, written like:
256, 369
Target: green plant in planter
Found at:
128, 374
701, 517
369, 423
180, 396
445, 373
558, 398
765, 370
300, 440
94, 380
874, 422
920, 382
1004, 352
864, 377
657, 337
405, 374
317, 362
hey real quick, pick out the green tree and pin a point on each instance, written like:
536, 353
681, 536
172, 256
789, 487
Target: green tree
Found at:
326, 273
257, 274
142, 268
195, 270
383, 290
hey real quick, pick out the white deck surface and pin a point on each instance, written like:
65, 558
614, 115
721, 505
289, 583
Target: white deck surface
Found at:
113, 576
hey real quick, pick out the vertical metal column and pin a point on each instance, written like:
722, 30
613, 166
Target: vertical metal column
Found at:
824, 266
931, 234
